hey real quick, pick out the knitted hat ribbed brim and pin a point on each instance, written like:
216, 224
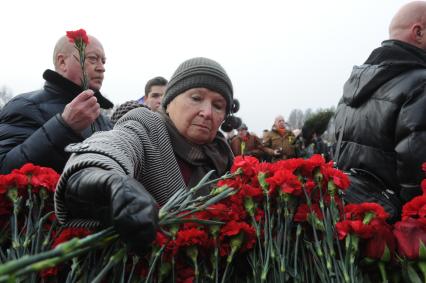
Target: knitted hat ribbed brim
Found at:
199, 73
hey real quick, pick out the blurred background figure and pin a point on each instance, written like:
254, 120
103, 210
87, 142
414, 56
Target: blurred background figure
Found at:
245, 143
311, 135
279, 142
154, 92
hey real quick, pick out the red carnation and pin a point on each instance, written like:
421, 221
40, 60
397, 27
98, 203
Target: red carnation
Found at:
263, 167
409, 235
250, 191
47, 178
287, 181
49, 272
288, 164
381, 239
415, 208
360, 211
246, 163
310, 164
70, 233
28, 169
161, 239
340, 179
303, 212
218, 211
13, 180
233, 229
356, 227
76, 35
190, 237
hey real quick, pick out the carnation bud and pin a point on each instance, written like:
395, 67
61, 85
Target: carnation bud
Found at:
249, 205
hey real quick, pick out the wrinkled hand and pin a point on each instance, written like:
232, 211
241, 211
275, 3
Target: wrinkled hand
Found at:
82, 111
116, 200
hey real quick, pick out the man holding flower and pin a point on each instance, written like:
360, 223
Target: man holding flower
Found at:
36, 127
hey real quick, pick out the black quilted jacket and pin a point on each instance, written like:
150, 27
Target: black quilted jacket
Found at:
384, 102
32, 130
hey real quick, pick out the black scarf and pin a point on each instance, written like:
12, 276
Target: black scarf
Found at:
216, 155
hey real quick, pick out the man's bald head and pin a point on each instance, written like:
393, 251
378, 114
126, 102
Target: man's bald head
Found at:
64, 46
66, 62
409, 24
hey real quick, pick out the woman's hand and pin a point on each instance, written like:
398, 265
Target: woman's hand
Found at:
114, 200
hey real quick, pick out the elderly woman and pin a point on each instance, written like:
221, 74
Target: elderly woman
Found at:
120, 177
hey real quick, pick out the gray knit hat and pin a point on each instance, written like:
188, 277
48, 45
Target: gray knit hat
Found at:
199, 72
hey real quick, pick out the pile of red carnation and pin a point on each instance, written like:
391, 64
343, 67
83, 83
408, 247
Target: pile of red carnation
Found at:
283, 222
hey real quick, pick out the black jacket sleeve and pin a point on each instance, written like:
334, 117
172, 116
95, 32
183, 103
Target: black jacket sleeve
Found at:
114, 199
26, 136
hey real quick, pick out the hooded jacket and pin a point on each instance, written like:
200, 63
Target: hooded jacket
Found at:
32, 129
384, 105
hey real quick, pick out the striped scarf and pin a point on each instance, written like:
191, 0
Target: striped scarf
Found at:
216, 155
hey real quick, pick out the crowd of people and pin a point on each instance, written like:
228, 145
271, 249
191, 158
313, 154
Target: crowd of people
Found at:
170, 138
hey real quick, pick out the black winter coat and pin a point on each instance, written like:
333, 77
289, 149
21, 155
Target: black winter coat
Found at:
32, 129
385, 104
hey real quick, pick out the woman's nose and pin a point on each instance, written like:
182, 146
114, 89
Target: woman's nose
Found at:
206, 110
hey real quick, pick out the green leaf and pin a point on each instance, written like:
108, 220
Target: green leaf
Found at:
412, 275
422, 250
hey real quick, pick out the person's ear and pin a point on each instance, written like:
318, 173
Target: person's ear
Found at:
61, 64
417, 33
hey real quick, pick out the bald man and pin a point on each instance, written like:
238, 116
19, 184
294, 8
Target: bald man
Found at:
382, 115
37, 126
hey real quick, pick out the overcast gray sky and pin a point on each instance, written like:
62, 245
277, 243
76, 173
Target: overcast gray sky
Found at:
280, 55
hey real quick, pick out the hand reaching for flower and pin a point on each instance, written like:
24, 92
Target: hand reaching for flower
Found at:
114, 200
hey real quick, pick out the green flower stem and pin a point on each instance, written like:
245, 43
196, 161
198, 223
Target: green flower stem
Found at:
74, 269
173, 270
38, 242
192, 252
191, 220
216, 263
28, 220
298, 232
268, 238
47, 263
422, 267
351, 250
154, 263
166, 215
228, 262
259, 243
135, 260
180, 198
63, 249
113, 260
383, 272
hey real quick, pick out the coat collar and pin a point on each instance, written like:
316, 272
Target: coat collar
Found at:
71, 88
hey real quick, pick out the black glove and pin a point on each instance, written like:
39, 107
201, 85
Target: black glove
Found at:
115, 200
